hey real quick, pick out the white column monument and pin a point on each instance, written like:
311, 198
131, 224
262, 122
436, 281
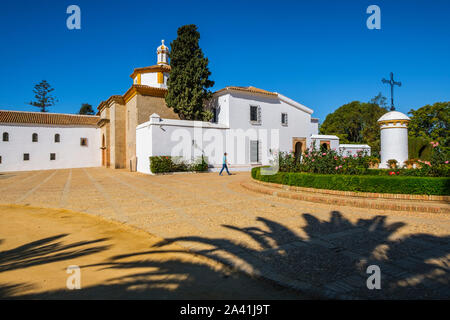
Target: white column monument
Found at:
394, 138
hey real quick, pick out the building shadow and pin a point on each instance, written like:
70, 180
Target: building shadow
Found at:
332, 259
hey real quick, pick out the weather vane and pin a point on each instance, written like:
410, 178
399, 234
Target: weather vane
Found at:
392, 83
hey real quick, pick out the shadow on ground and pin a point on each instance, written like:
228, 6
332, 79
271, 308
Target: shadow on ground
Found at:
46, 251
332, 259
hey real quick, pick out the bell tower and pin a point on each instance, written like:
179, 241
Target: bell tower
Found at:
154, 76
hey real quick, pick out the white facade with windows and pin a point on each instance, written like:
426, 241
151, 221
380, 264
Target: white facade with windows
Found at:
250, 124
33, 146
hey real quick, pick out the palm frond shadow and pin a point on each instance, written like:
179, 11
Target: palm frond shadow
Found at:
331, 253
338, 251
45, 251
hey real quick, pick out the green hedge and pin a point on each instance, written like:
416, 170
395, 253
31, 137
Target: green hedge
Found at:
361, 183
164, 164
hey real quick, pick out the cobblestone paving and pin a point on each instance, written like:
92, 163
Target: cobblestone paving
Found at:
312, 247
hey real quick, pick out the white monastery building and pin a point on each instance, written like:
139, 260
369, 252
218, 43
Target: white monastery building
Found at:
250, 124
39, 141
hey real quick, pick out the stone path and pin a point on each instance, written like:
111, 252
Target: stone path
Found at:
319, 249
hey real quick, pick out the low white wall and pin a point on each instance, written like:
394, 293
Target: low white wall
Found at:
318, 138
143, 148
353, 149
192, 139
69, 153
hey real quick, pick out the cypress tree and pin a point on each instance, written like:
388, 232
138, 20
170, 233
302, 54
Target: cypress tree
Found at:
188, 81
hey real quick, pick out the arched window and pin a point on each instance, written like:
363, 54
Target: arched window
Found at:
35, 137
5, 136
57, 137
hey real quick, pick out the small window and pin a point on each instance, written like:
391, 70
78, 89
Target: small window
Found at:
57, 138
26, 156
83, 142
253, 113
215, 115
284, 119
34, 137
5, 136
52, 156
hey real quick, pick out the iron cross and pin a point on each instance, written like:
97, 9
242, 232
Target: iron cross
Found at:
392, 83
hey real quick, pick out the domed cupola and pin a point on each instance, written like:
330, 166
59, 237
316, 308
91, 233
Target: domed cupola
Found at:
163, 54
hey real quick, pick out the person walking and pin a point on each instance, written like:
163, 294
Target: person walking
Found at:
224, 165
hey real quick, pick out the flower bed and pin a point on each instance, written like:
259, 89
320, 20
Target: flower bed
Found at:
164, 164
360, 183
330, 162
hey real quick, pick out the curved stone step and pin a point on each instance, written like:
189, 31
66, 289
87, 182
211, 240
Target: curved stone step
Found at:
347, 200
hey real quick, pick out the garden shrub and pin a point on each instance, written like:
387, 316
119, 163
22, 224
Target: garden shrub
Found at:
360, 183
419, 148
164, 164
330, 162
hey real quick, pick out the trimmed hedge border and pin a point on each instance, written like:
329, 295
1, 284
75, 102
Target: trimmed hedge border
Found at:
360, 183
166, 165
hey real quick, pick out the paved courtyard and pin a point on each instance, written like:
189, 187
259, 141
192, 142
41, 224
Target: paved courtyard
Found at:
315, 248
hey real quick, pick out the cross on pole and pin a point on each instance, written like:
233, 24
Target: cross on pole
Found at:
392, 83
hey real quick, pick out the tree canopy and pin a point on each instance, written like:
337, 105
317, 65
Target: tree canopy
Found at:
44, 99
188, 82
86, 108
356, 122
431, 122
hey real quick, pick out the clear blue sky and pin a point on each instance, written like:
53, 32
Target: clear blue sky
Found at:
319, 53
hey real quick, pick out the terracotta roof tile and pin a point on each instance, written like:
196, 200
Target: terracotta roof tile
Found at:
7, 116
248, 89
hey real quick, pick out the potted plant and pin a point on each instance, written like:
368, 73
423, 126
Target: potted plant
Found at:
392, 163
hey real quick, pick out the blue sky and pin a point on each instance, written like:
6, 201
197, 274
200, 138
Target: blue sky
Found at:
319, 53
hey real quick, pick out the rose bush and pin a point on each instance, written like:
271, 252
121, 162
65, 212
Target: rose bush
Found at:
324, 162
331, 162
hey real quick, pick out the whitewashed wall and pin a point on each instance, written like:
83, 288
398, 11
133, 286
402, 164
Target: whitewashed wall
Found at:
180, 138
394, 145
353, 149
151, 79
317, 138
69, 152
232, 133
299, 116
144, 143
315, 126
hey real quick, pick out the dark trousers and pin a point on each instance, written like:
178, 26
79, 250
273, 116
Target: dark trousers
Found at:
224, 166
